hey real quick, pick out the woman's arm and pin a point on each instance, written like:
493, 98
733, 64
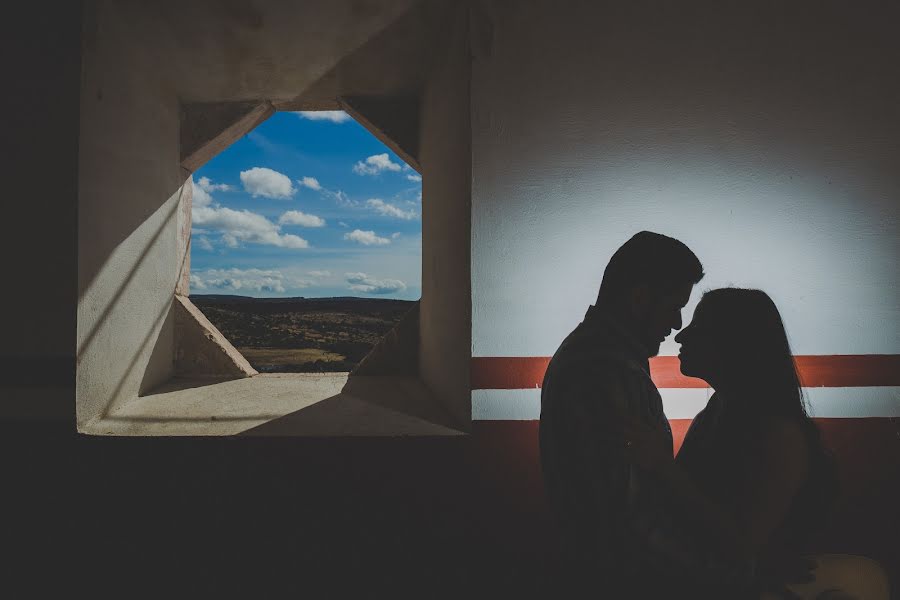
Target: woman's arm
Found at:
765, 495
772, 481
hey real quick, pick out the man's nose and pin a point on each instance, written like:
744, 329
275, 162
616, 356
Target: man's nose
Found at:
678, 336
677, 323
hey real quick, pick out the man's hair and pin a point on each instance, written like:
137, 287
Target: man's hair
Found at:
650, 258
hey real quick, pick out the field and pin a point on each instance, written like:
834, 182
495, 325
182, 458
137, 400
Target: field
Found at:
302, 335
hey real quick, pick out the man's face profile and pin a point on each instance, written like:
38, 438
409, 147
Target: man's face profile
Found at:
658, 312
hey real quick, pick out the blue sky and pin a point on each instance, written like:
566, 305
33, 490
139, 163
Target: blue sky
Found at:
307, 204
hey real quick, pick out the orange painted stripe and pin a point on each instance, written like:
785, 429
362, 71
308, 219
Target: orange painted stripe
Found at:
845, 370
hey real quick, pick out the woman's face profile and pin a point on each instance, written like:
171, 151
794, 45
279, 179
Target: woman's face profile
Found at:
699, 354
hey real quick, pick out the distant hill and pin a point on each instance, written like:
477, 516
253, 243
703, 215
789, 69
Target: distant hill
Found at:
302, 334
229, 298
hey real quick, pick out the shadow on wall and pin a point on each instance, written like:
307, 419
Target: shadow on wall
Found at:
127, 311
100, 318
148, 379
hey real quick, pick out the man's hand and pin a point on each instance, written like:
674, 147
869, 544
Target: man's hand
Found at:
647, 447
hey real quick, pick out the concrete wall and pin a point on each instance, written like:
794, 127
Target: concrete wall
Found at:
763, 135
130, 187
140, 64
445, 343
40, 165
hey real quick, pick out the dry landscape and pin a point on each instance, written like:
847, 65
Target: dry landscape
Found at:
302, 335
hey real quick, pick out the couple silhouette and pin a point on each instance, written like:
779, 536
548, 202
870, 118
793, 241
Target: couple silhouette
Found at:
732, 516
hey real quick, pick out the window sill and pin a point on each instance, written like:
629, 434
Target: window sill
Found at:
281, 404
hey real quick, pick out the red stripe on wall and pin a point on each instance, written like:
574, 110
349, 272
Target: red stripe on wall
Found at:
845, 370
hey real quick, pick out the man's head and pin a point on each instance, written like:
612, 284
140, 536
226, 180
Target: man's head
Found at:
648, 281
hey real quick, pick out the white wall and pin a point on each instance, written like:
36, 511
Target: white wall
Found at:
129, 191
766, 137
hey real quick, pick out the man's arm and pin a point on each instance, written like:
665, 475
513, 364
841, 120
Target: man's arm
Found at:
595, 421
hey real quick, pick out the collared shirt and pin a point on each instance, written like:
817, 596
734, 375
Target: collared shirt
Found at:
599, 374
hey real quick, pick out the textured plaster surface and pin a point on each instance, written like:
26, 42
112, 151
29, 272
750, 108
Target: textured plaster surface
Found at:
186, 406
397, 353
445, 313
292, 404
140, 66
130, 193
231, 52
209, 128
765, 140
369, 406
200, 349
393, 120
183, 251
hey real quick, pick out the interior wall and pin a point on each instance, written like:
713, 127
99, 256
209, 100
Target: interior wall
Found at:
763, 135
40, 137
445, 308
130, 188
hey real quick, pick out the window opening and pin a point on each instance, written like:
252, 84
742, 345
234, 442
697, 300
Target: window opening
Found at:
306, 242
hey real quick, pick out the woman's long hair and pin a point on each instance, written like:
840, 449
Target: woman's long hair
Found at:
756, 355
756, 360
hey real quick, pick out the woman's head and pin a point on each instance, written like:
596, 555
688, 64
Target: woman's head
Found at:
737, 341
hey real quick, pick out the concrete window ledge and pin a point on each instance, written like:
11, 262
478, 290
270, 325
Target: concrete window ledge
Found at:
284, 404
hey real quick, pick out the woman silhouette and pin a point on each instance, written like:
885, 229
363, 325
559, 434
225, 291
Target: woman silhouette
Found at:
753, 480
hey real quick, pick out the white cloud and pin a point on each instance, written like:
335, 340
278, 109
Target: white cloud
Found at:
335, 116
197, 283
389, 210
366, 238
200, 197
295, 217
395, 235
260, 181
414, 177
245, 280
244, 226
342, 224
375, 164
203, 243
310, 182
319, 273
360, 282
340, 197
208, 186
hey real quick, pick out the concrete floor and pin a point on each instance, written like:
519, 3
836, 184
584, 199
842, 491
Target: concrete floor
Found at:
281, 404
210, 407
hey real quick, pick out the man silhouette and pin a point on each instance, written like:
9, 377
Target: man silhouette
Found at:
598, 378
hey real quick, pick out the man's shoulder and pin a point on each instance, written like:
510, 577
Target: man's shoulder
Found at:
587, 353
581, 375
584, 362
